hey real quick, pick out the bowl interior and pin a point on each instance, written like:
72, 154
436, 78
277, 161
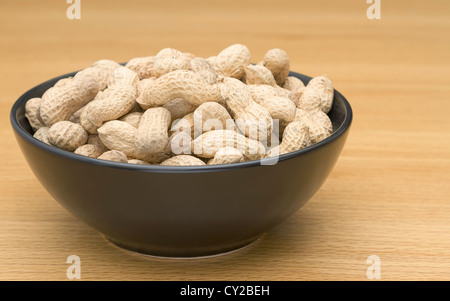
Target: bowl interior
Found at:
340, 116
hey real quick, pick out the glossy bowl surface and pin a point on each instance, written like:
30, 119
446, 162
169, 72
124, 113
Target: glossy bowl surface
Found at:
181, 211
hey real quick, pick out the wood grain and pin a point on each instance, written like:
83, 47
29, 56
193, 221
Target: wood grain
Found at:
388, 195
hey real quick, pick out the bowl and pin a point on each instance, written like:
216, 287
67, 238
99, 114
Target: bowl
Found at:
174, 211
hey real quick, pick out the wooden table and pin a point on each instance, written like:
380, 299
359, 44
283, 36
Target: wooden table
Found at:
387, 196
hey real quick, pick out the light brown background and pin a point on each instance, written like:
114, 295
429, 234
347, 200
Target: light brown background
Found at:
388, 195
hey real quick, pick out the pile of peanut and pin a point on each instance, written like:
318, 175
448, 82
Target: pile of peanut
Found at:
179, 109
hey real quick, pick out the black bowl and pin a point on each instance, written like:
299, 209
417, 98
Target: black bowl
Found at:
181, 211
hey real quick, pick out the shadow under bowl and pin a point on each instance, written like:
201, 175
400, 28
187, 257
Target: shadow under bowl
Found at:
175, 211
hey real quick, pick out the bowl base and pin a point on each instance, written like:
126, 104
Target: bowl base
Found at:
132, 250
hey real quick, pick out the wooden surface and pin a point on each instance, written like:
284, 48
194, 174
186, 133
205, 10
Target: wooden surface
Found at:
388, 195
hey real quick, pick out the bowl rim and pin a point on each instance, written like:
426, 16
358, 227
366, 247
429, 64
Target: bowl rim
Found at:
175, 169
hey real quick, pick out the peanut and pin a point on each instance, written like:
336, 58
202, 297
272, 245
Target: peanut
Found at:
189, 55
75, 118
83, 121
261, 92
295, 137
251, 118
168, 60
95, 139
183, 160
178, 108
89, 150
279, 108
152, 136
317, 132
62, 82
259, 75
132, 118
211, 116
93, 73
67, 135
203, 68
59, 103
138, 162
114, 155
294, 85
32, 113
108, 66
178, 84
99, 95
302, 115
322, 119
211, 60
282, 92
277, 61
227, 155
121, 136
116, 101
232, 60
143, 66
42, 134
123, 76
144, 84
209, 143
318, 95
